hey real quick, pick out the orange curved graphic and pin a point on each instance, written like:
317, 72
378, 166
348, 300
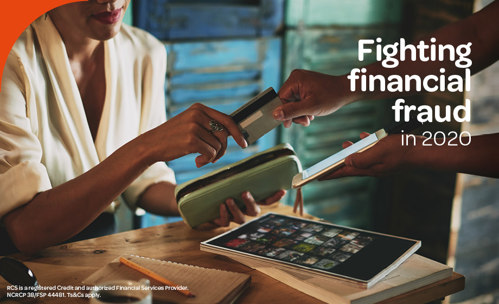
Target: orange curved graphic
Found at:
15, 16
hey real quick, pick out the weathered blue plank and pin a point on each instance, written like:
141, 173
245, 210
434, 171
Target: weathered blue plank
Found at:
201, 21
211, 54
271, 65
194, 94
199, 77
170, 19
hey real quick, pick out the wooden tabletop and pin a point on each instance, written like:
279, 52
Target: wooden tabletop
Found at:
70, 264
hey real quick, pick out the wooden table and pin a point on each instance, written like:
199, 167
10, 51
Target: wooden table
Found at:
69, 264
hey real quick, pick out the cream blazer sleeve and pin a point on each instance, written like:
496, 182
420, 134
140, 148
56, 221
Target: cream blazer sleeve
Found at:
22, 175
44, 136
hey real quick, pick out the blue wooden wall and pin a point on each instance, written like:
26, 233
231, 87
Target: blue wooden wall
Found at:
221, 54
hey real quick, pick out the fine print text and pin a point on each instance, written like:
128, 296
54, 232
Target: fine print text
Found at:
76, 291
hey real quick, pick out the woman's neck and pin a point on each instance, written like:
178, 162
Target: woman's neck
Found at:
79, 48
82, 51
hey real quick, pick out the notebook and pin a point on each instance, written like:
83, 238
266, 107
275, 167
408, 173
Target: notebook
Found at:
209, 285
358, 257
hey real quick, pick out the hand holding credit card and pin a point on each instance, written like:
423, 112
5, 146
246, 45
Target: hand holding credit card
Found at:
255, 117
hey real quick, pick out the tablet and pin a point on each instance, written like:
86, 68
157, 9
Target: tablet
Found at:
335, 161
364, 257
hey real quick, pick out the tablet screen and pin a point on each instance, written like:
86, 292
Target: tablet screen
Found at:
317, 246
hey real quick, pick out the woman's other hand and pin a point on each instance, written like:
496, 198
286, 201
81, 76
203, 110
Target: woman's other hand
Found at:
230, 212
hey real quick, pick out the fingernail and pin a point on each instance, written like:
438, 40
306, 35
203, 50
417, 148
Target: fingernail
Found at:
278, 114
213, 159
246, 194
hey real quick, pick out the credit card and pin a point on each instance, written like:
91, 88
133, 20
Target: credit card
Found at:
255, 117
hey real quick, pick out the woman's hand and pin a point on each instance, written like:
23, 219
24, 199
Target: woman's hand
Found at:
388, 156
230, 212
199, 129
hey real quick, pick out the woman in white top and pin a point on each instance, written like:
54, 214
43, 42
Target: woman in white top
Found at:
82, 120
